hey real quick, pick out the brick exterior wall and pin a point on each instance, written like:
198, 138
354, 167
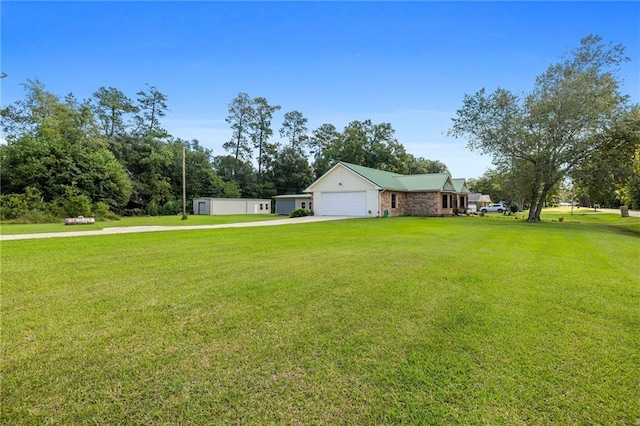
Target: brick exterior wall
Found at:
401, 203
423, 204
415, 204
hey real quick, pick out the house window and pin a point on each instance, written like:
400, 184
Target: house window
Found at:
445, 198
462, 202
393, 201
310, 205
303, 205
260, 206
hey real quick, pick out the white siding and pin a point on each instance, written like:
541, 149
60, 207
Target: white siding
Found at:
223, 206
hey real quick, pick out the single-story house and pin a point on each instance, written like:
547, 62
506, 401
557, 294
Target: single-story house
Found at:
219, 206
285, 204
478, 201
351, 190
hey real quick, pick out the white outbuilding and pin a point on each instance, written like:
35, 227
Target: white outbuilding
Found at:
221, 206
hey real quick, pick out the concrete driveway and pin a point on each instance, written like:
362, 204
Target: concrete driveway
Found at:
136, 229
632, 213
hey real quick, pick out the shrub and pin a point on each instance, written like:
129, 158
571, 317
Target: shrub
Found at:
153, 209
101, 211
171, 208
36, 216
13, 206
513, 208
299, 213
72, 205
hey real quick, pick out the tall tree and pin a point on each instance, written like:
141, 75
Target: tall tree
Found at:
294, 128
241, 115
111, 105
261, 130
152, 106
562, 122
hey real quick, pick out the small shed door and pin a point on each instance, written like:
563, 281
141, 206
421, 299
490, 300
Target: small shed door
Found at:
202, 207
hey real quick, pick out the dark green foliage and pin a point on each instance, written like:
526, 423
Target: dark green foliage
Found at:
299, 213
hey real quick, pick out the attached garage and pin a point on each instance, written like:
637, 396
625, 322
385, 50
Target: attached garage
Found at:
344, 204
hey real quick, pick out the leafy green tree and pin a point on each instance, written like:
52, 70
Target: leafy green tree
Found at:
557, 126
238, 172
324, 143
291, 171
111, 105
60, 151
420, 165
607, 177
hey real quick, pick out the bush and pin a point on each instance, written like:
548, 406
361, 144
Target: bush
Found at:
513, 208
13, 206
36, 216
153, 209
101, 211
299, 213
75, 205
171, 208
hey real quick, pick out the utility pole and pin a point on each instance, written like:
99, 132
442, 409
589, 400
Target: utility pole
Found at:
184, 186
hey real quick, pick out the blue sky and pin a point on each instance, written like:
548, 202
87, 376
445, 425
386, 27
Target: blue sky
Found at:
407, 63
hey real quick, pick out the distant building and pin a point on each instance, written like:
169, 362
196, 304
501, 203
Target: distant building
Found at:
477, 201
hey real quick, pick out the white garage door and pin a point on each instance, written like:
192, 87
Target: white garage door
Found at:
344, 204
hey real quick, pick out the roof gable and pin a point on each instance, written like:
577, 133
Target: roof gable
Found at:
460, 185
432, 182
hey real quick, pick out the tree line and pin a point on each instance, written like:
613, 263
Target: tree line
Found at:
110, 155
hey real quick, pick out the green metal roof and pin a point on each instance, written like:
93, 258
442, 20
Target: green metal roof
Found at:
460, 185
410, 183
386, 180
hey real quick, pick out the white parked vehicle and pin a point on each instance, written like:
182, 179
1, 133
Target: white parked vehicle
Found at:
498, 207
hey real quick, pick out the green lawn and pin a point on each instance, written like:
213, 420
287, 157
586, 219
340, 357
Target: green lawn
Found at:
375, 321
9, 228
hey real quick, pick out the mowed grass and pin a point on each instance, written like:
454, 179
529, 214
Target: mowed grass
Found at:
10, 228
375, 321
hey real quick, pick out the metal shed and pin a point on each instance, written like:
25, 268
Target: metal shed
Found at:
221, 206
285, 204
